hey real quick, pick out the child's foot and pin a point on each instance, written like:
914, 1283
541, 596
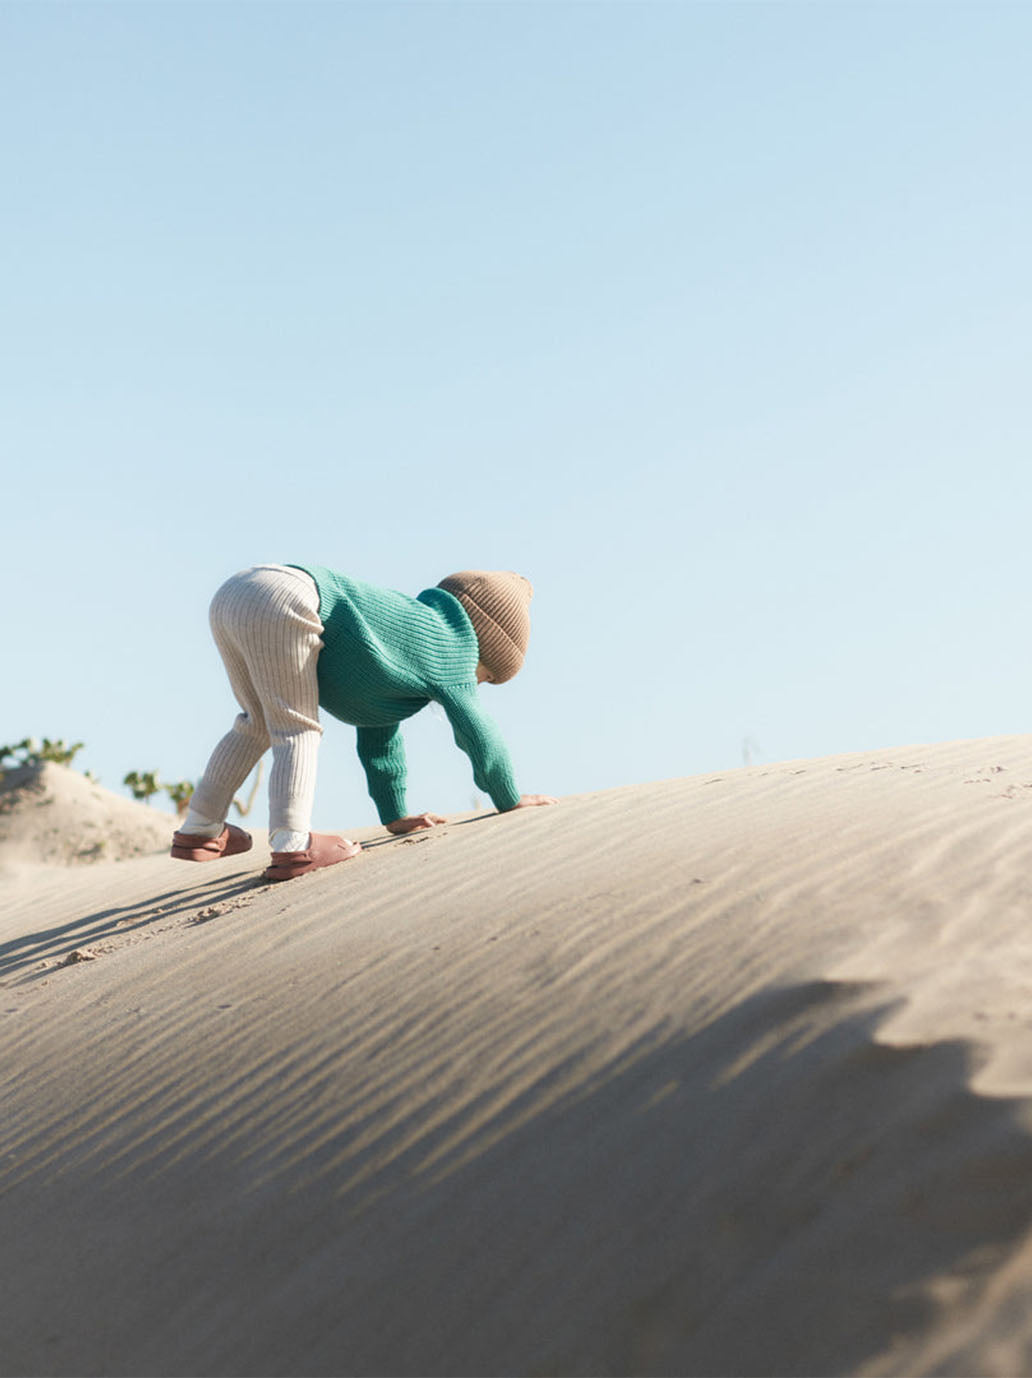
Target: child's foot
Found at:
192, 847
324, 849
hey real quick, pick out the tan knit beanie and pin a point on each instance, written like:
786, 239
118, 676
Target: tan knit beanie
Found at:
498, 604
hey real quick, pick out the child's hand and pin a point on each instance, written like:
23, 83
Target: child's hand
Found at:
414, 822
533, 801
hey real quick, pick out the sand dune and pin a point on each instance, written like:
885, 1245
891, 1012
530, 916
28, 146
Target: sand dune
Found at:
727, 1075
56, 816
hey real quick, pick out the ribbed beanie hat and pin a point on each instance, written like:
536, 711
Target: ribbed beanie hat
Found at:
498, 604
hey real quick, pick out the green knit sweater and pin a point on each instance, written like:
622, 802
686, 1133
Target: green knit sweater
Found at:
385, 656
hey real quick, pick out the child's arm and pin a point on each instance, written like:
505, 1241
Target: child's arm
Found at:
478, 736
382, 753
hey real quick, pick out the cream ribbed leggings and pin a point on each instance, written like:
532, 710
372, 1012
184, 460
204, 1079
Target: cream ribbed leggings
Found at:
266, 625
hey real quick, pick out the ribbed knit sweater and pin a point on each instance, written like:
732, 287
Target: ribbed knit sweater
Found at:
385, 656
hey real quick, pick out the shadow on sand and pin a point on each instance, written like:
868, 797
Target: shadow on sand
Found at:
47, 945
768, 1195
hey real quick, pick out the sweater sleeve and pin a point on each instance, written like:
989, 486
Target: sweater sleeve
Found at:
478, 736
382, 753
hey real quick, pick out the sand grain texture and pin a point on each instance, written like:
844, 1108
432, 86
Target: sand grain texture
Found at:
727, 1075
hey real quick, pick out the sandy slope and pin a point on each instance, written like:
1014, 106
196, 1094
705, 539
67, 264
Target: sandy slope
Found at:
54, 815
727, 1075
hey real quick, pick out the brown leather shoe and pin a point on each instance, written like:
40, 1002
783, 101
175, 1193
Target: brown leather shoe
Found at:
230, 841
324, 849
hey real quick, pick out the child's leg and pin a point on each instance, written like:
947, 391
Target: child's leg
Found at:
235, 756
266, 625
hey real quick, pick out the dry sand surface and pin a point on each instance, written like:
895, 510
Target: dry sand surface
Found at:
726, 1075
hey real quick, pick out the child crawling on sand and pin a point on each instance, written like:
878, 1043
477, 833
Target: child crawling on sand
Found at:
295, 638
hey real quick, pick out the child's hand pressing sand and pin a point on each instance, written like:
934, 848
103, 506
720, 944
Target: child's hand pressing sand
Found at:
414, 822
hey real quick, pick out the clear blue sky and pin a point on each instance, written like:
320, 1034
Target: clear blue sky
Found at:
715, 320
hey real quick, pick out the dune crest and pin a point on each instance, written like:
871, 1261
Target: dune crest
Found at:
724, 1075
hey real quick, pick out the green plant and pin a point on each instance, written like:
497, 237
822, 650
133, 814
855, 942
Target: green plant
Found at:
180, 795
29, 752
16, 755
142, 784
58, 752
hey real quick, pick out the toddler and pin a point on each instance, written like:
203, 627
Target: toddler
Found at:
295, 638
